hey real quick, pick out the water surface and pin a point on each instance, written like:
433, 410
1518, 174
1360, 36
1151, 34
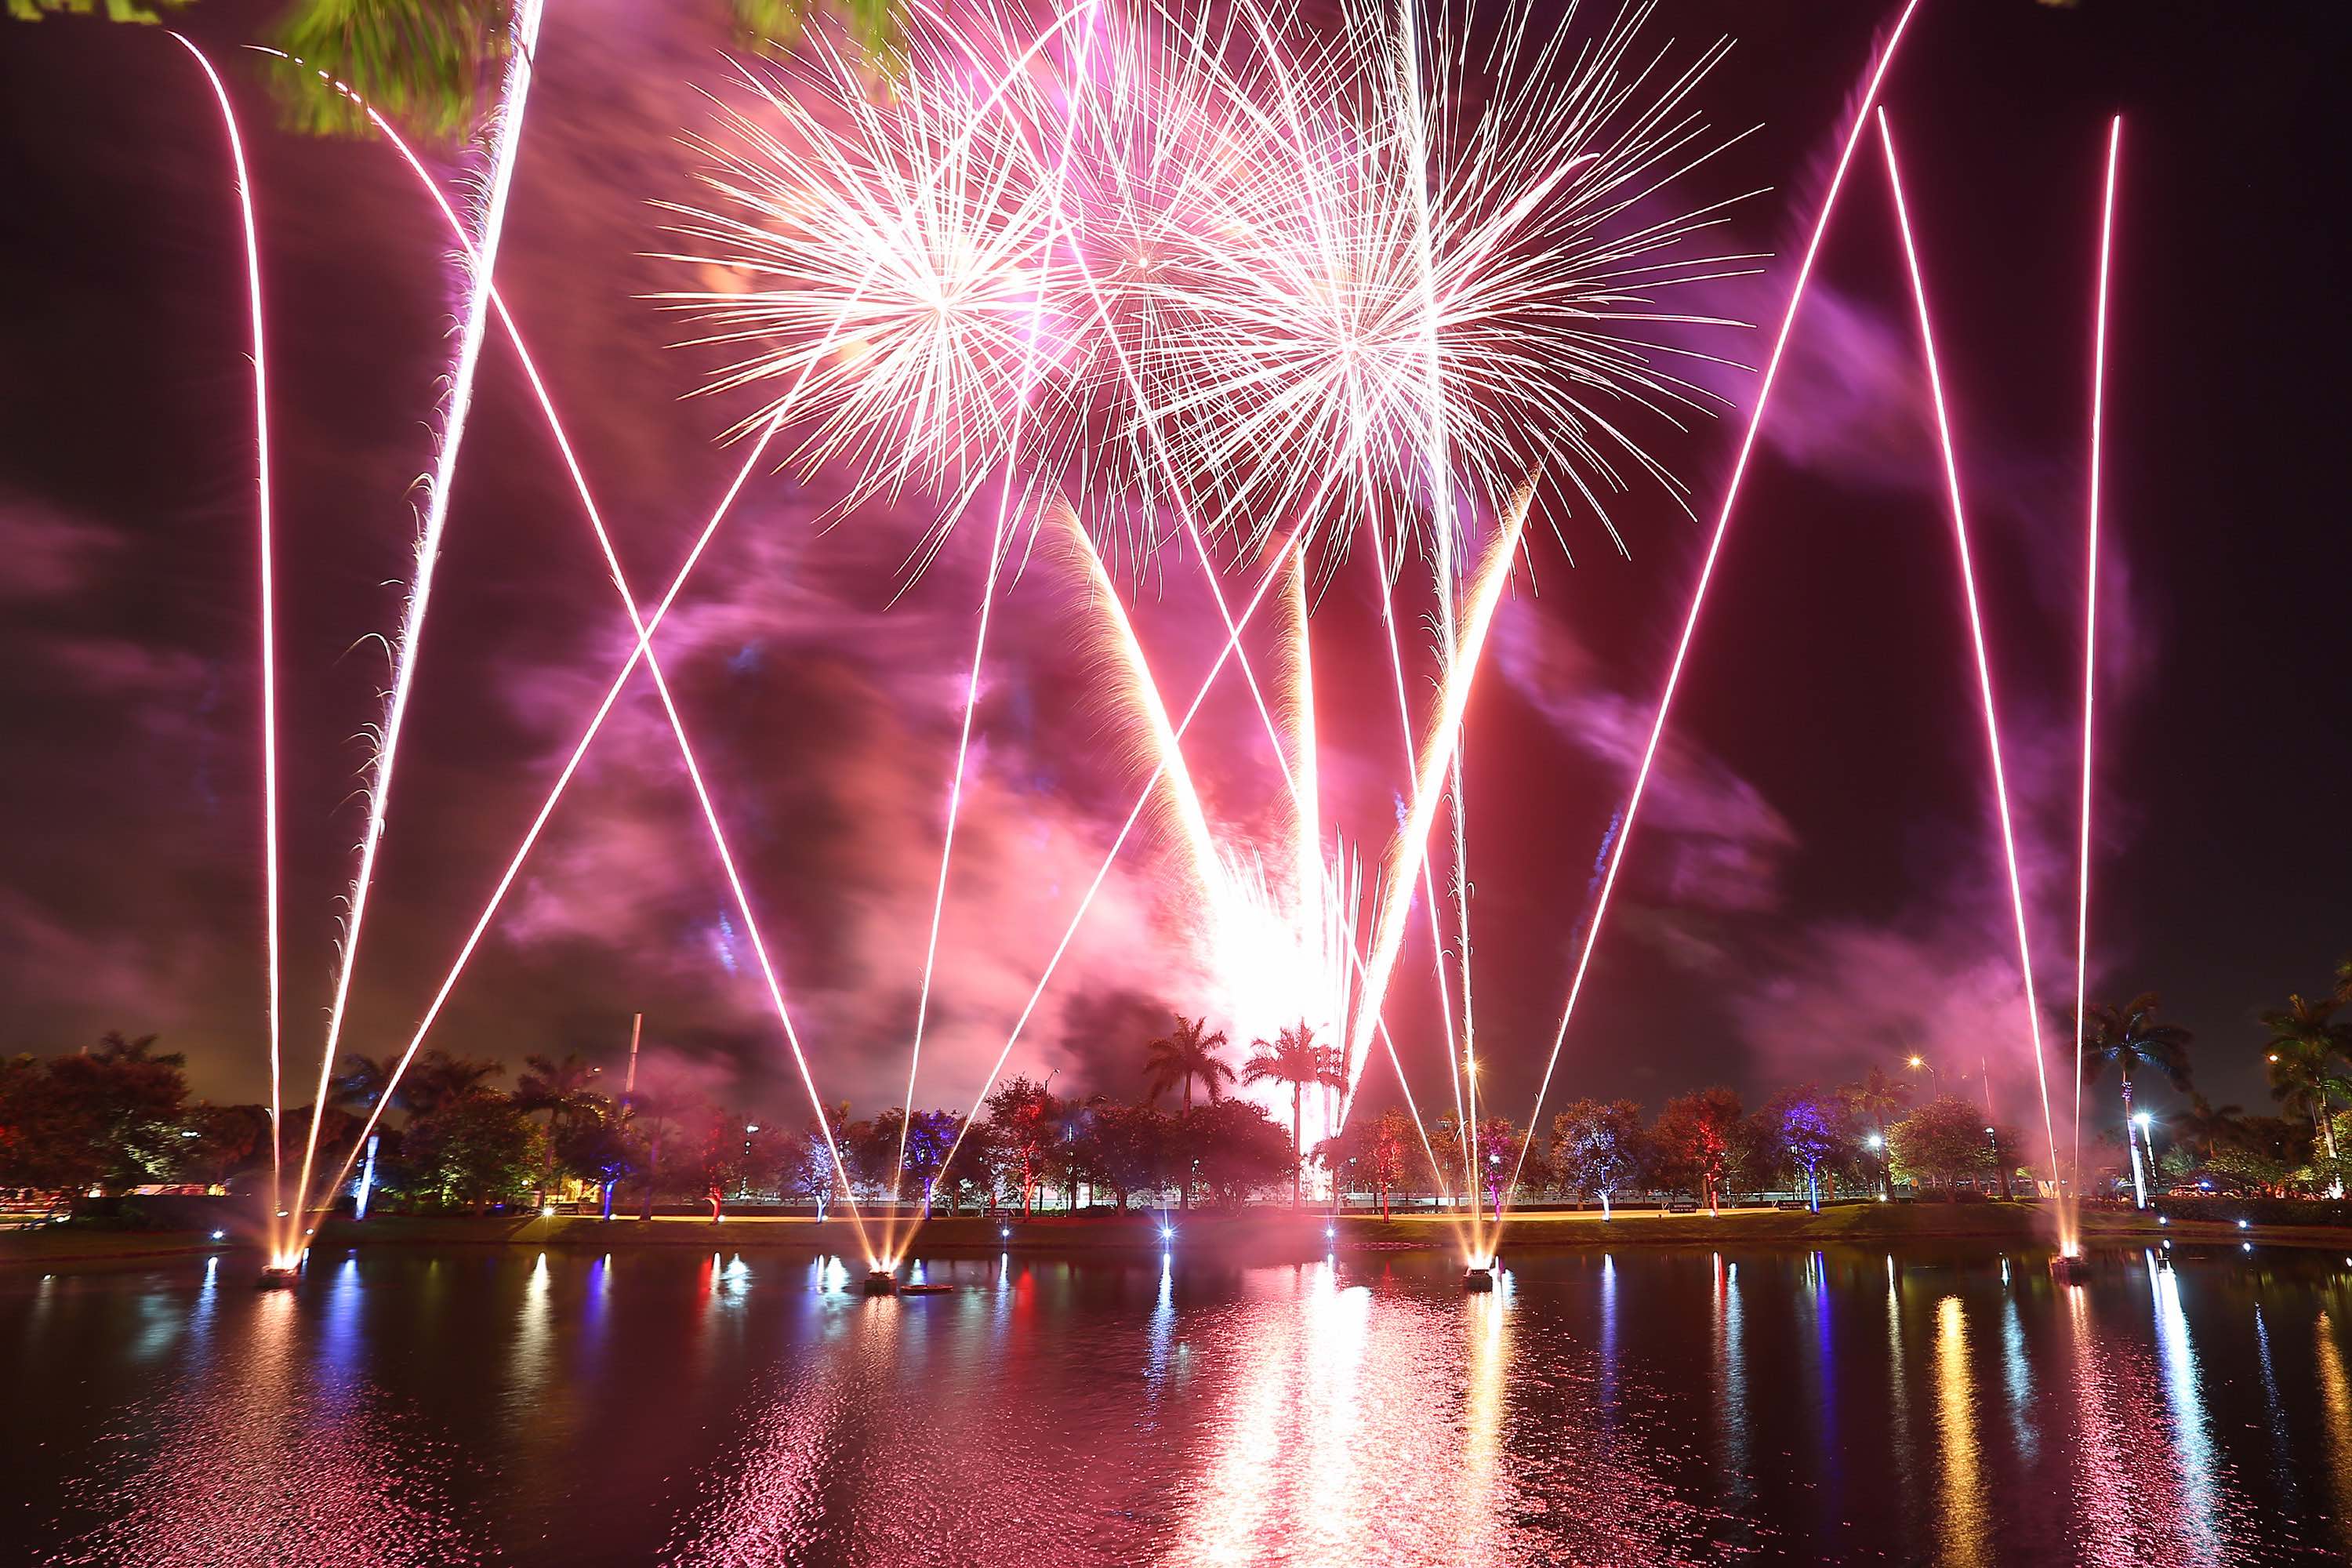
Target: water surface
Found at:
407, 1406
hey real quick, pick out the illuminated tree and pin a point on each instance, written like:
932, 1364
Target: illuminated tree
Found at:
2308, 1059
1696, 1136
2129, 1038
1130, 1148
474, 1152
106, 1118
1237, 1148
1599, 1150
1021, 1117
423, 62
564, 1090
437, 1080
1941, 1144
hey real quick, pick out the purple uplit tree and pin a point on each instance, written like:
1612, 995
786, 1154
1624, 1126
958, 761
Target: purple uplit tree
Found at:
1809, 1137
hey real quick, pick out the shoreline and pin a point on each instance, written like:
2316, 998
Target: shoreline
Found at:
1255, 1238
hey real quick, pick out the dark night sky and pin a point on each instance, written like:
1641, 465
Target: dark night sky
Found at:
1815, 884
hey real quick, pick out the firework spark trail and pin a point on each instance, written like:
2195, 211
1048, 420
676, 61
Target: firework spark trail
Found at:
1428, 882
1164, 460
1445, 735
1439, 475
1025, 389
2091, 629
1616, 857
268, 617
1598, 280
644, 634
1200, 842
1312, 901
1977, 637
506, 141
1297, 543
641, 648
947, 838
1307, 816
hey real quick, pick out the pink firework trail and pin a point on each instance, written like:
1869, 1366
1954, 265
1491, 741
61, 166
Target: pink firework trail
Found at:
1984, 663
2090, 626
1437, 758
1713, 554
641, 651
1026, 388
267, 554
505, 143
644, 630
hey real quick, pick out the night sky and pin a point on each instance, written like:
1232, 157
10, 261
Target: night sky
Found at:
1815, 885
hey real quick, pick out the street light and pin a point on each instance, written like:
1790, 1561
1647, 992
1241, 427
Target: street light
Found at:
1921, 1064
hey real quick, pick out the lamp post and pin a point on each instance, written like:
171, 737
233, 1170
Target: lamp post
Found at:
1921, 1064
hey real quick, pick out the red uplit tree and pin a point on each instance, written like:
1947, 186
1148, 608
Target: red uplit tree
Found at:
1022, 1123
1696, 1135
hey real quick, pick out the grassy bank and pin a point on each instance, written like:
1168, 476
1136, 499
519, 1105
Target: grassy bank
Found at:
1262, 1235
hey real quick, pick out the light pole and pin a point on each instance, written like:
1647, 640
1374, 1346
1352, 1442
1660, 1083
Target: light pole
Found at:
1877, 1145
1921, 1064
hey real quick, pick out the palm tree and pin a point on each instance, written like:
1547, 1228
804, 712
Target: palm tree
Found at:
1878, 1098
565, 1090
2208, 1127
364, 1081
1295, 1060
438, 1079
116, 1047
2307, 1053
2129, 1036
1184, 1054
2343, 980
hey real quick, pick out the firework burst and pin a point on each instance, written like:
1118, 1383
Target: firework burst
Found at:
1257, 249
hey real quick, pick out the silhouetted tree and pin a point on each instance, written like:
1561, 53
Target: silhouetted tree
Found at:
1294, 1059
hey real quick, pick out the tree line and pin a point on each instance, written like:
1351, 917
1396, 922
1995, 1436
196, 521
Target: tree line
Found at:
118, 1115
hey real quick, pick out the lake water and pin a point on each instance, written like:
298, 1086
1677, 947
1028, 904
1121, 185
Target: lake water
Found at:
1652, 1406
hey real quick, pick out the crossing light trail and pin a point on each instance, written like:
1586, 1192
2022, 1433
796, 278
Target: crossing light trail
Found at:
1616, 859
1026, 388
2090, 632
1437, 758
1169, 766
266, 553
644, 634
641, 648
1984, 664
505, 142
